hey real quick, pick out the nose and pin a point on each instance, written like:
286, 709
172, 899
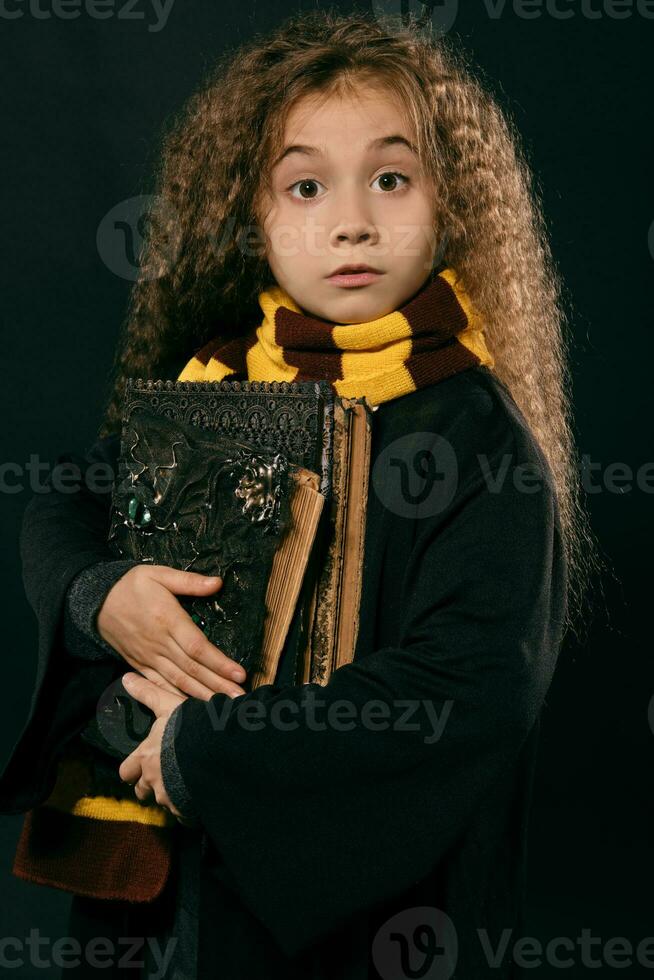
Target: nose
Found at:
356, 228
353, 233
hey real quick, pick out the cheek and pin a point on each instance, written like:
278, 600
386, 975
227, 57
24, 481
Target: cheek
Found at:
410, 221
287, 234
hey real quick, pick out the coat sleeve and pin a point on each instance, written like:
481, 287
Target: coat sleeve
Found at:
321, 801
64, 530
170, 774
84, 598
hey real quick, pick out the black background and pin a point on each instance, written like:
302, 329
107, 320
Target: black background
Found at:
84, 100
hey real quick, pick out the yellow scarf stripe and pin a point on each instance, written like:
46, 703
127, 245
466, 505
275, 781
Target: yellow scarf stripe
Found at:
265, 361
473, 335
376, 333
109, 808
378, 389
70, 795
195, 370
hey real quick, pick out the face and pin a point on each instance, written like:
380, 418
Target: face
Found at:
344, 193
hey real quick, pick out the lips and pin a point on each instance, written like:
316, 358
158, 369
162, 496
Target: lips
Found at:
353, 269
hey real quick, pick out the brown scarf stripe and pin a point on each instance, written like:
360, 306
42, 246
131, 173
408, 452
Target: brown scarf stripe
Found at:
436, 312
104, 859
312, 365
429, 344
293, 330
453, 357
231, 354
205, 353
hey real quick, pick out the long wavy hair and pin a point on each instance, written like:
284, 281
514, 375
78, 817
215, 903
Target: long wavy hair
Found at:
200, 274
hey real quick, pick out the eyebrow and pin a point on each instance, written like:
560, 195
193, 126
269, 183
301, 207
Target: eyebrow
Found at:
379, 142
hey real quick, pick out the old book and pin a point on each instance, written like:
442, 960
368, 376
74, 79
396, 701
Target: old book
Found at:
336, 597
199, 500
326, 441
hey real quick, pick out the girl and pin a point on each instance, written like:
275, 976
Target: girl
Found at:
388, 841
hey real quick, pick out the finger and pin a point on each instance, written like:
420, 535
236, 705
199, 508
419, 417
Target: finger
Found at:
191, 822
130, 768
192, 677
173, 809
150, 694
195, 645
164, 800
143, 790
157, 678
180, 582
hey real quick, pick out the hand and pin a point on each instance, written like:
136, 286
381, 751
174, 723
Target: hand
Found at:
142, 768
142, 619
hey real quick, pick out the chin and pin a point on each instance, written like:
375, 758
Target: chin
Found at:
368, 307
349, 305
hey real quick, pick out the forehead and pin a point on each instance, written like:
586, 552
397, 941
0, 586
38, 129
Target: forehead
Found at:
348, 116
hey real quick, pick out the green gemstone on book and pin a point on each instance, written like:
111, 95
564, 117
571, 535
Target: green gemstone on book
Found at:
133, 509
198, 620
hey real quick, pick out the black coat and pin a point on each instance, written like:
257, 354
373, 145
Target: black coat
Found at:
318, 828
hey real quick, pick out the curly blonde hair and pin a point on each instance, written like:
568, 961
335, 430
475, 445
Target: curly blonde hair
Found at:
214, 169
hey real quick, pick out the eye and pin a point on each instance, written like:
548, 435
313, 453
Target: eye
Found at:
303, 184
393, 174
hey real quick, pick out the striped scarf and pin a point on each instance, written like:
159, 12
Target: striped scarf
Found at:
432, 336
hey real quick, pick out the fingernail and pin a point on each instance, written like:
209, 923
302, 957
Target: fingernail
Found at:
237, 675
